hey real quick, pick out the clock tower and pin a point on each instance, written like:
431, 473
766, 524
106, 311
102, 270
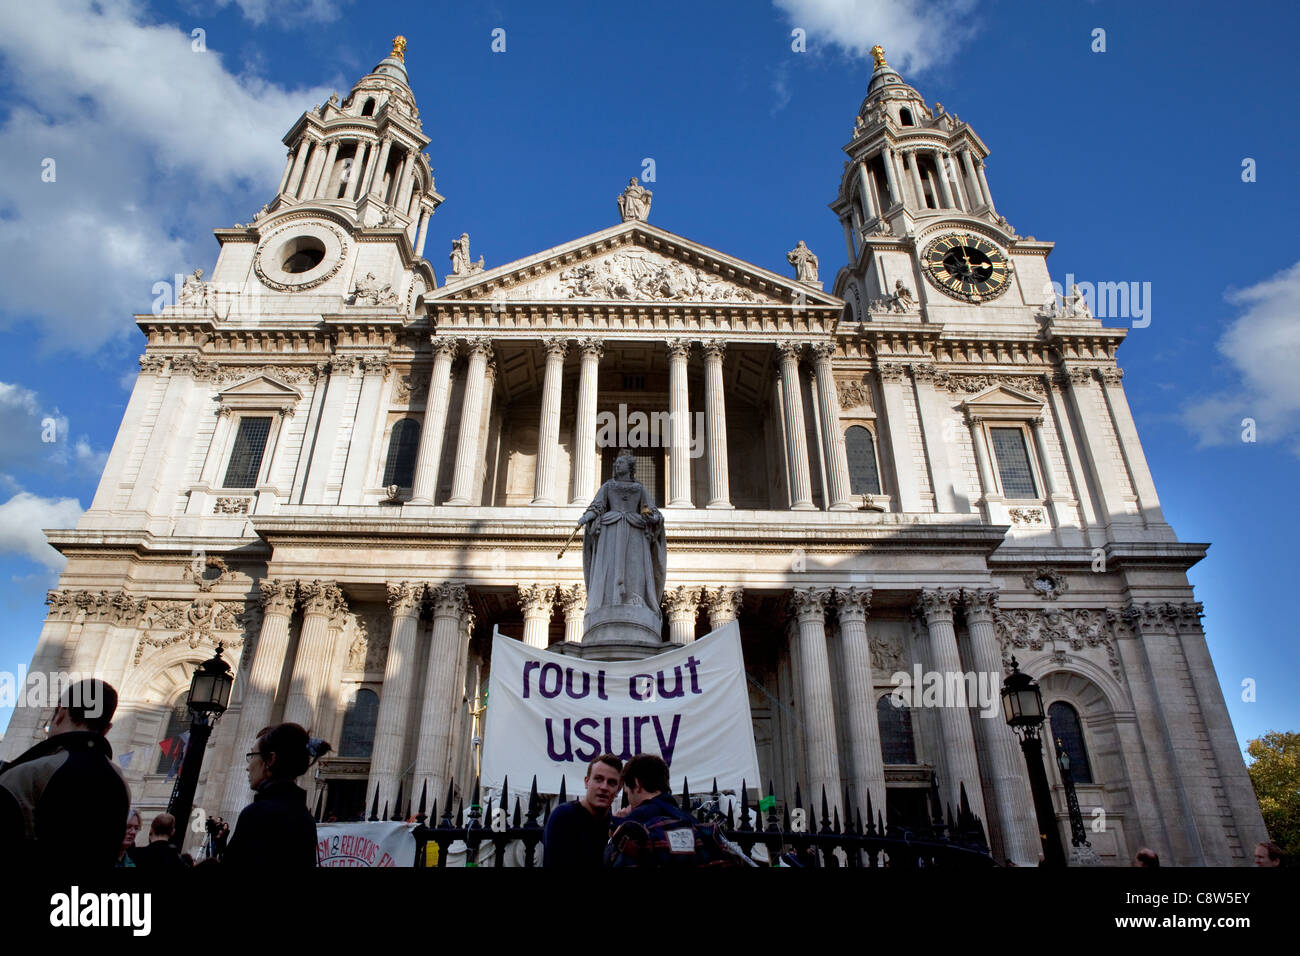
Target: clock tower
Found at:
921, 231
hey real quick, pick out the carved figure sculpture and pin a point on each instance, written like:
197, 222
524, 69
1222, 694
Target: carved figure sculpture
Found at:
634, 203
804, 262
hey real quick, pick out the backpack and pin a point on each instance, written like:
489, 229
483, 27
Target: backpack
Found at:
672, 842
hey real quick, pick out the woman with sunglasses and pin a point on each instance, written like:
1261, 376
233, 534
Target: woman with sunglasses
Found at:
276, 830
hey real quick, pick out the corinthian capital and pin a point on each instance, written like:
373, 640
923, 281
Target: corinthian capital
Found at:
278, 596
936, 604
449, 600
853, 603
980, 603
320, 598
723, 603
404, 598
536, 598
809, 603
573, 599
681, 601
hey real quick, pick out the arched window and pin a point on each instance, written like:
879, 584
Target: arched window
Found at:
1067, 729
169, 744
359, 723
864, 473
369, 108
896, 742
905, 117
402, 447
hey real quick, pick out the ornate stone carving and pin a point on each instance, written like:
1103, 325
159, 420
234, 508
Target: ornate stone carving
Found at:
886, 656
1109, 376
1026, 516
448, 600
978, 383
461, 265
809, 603
573, 599
273, 241
891, 372
555, 345
376, 364
853, 603
643, 277
591, 345
713, 348
854, 394
936, 604
804, 262
278, 597
536, 598
288, 374
194, 293
231, 506
203, 620
1077, 628
196, 571
723, 602
682, 600
152, 364
479, 344
1167, 616
404, 599
320, 598
634, 202
922, 371
789, 350
369, 291
1046, 582
357, 651
679, 348
980, 603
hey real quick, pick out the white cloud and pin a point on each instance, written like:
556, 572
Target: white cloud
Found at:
28, 425
1263, 347
259, 11
22, 519
153, 145
916, 34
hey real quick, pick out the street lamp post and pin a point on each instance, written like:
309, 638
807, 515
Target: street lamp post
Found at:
209, 695
1022, 706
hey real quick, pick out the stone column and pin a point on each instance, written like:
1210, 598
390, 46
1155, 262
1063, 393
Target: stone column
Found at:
573, 600
945, 468
850, 249
861, 723
869, 210
151, 366
258, 692
353, 187
918, 185
405, 182
987, 486
837, 458
1130, 445
975, 198
441, 696
893, 390
941, 169
891, 178
320, 601
538, 603
796, 436
723, 605
984, 186
1013, 803
422, 232
548, 431
682, 604
371, 153
679, 414
342, 369
716, 426
320, 183
434, 427
395, 698
377, 185
820, 747
1088, 409
1044, 462
291, 160
300, 165
357, 467
954, 716
584, 437
471, 414
1054, 385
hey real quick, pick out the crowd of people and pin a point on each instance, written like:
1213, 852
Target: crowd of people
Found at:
65, 803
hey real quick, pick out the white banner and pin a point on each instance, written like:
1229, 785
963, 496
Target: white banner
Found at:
382, 843
550, 715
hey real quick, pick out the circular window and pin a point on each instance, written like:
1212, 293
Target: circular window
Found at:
302, 254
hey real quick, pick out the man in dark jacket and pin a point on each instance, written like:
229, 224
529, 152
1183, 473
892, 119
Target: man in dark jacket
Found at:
656, 831
576, 832
159, 854
64, 802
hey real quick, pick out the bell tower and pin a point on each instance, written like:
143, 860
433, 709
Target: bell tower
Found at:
920, 227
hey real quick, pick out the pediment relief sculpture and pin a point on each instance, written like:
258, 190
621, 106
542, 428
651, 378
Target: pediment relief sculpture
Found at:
635, 276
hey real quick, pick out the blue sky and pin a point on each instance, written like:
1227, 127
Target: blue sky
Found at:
1130, 160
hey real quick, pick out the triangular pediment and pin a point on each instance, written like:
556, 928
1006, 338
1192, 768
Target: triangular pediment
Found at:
1003, 399
634, 262
260, 386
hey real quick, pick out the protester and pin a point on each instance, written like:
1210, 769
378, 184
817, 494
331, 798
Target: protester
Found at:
64, 802
576, 832
1268, 854
276, 831
133, 824
656, 832
1146, 857
159, 854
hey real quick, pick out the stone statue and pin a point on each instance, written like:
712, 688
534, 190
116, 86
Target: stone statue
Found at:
635, 202
195, 291
903, 297
804, 262
624, 559
460, 263
369, 291
1076, 305
882, 228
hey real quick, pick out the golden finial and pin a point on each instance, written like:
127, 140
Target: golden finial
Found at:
878, 54
399, 48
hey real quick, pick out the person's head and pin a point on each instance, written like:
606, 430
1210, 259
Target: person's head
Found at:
1146, 857
625, 466
283, 752
1268, 854
133, 823
87, 705
644, 776
162, 828
603, 776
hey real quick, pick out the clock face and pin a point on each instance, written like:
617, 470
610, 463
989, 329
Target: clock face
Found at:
966, 267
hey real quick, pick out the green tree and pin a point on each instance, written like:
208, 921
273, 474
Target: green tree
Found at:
1275, 774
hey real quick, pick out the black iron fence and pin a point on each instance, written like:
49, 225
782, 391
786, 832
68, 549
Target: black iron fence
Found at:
793, 836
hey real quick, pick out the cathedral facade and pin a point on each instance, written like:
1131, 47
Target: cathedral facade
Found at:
348, 473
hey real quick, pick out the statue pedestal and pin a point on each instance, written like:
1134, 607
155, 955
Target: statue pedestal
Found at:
611, 651
620, 632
